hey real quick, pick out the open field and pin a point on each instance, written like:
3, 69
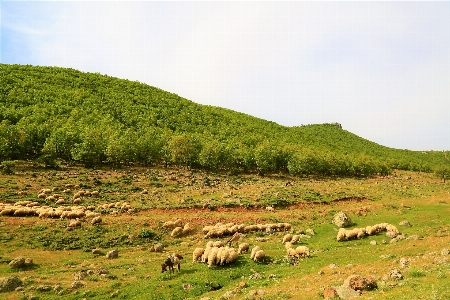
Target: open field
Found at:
145, 198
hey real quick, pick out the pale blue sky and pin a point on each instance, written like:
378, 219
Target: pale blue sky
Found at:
381, 69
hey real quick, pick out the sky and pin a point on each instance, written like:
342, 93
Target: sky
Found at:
380, 69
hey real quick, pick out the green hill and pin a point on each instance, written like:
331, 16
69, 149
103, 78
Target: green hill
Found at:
58, 114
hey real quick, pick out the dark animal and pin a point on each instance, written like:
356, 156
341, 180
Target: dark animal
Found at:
171, 261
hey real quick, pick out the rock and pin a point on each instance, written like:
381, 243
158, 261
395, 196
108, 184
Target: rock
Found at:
80, 275
97, 251
404, 223
310, 231
9, 284
330, 293
395, 274
77, 284
242, 284
341, 219
404, 263
28, 261
17, 262
399, 237
391, 234
186, 286
445, 251
44, 288
345, 292
57, 287
102, 271
373, 242
112, 254
359, 283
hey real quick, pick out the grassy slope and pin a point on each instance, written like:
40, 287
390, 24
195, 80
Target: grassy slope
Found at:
74, 95
418, 198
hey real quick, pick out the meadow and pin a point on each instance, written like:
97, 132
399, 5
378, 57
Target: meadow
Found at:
200, 198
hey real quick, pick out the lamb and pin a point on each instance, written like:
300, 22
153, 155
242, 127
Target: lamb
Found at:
243, 248
198, 252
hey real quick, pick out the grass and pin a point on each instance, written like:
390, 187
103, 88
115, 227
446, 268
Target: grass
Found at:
58, 254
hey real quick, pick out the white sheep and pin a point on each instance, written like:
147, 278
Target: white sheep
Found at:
198, 252
96, 220
176, 232
243, 248
302, 251
254, 250
212, 256
259, 255
295, 239
287, 238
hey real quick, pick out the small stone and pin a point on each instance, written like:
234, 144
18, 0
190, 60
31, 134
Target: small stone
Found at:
395, 274
97, 251
330, 293
404, 263
404, 223
44, 288
80, 275
445, 251
242, 284
77, 285
373, 242
186, 286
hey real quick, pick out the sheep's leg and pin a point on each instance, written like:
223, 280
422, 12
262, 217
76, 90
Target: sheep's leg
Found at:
179, 267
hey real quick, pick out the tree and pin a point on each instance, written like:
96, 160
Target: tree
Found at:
443, 172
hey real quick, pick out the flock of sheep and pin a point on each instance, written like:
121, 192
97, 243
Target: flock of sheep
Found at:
358, 233
219, 230
74, 213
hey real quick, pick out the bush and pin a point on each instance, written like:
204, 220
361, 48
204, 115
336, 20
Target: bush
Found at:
6, 167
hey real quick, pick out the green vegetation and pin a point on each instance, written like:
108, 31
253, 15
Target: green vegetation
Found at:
63, 115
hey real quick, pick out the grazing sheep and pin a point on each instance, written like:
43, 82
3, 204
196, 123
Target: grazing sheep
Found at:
287, 238
198, 252
291, 252
243, 248
302, 251
254, 250
259, 255
235, 238
96, 220
74, 223
212, 256
288, 245
176, 232
295, 239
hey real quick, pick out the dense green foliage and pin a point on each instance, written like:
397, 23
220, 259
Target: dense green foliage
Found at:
57, 114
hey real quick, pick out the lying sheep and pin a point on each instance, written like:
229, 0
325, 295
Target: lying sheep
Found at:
96, 220
349, 234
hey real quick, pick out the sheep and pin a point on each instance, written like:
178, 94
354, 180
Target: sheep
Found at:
291, 252
176, 232
96, 220
259, 255
235, 238
74, 223
288, 245
295, 239
287, 238
212, 256
302, 251
270, 208
243, 248
254, 250
198, 252
187, 228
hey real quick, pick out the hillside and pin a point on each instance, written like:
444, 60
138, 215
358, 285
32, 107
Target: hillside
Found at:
58, 114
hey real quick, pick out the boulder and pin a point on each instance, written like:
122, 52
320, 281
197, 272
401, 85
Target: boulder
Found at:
341, 220
330, 293
345, 292
359, 283
17, 262
112, 254
9, 284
